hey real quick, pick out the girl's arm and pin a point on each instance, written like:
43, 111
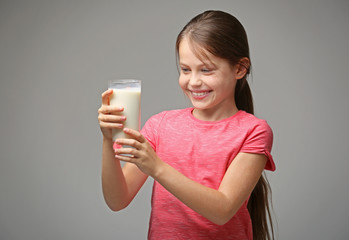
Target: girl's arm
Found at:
219, 206
120, 185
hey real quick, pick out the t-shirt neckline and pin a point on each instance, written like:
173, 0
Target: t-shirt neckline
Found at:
191, 116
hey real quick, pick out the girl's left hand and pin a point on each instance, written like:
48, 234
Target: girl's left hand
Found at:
142, 154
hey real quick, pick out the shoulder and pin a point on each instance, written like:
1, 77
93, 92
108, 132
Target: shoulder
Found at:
259, 138
251, 121
254, 126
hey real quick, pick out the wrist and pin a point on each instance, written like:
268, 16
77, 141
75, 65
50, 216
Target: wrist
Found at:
160, 171
108, 141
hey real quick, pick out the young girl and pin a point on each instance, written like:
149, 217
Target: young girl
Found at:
207, 161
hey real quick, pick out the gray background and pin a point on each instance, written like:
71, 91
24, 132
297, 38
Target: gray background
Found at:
57, 56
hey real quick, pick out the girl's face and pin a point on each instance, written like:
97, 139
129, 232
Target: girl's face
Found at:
209, 83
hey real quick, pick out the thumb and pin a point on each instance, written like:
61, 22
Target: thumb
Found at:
105, 96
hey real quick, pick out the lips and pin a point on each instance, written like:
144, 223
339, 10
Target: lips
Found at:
200, 94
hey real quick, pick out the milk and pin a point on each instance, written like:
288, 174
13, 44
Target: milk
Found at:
130, 100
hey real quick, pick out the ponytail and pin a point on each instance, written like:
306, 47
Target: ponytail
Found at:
260, 212
258, 204
243, 96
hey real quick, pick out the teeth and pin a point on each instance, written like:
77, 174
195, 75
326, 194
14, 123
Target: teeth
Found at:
198, 94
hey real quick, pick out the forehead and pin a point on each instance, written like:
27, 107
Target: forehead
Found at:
190, 49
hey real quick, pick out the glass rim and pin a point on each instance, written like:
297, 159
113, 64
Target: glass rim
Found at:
124, 81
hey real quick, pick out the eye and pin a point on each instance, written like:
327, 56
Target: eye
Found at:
206, 70
185, 70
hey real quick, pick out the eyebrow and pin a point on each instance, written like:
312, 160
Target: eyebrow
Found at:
203, 64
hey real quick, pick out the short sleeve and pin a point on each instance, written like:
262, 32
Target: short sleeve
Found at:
260, 141
151, 129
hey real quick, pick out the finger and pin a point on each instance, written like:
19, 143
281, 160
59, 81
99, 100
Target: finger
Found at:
107, 109
124, 158
135, 134
129, 142
105, 96
111, 118
126, 151
111, 125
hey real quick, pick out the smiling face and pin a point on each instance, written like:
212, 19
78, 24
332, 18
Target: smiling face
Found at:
209, 82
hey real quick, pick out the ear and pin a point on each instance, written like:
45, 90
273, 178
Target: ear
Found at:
242, 67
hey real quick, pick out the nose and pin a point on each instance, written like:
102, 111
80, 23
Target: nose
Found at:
195, 80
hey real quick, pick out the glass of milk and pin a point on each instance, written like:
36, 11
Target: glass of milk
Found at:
127, 94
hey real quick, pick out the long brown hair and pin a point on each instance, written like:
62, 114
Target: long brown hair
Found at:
222, 35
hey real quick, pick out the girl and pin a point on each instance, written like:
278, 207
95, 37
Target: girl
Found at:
207, 161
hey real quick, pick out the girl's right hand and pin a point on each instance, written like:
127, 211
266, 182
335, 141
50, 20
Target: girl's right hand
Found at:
109, 117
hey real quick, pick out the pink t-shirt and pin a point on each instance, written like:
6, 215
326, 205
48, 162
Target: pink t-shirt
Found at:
202, 151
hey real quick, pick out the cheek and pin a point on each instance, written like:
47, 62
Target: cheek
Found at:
182, 82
